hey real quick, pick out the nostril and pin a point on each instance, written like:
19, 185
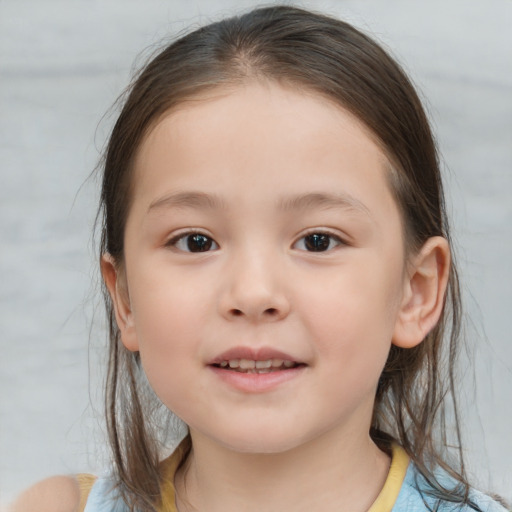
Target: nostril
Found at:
268, 312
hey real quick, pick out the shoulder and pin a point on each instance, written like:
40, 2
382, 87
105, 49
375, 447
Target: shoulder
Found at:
55, 494
414, 496
487, 503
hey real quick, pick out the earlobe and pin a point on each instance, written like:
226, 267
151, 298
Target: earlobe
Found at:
423, 293
115, 281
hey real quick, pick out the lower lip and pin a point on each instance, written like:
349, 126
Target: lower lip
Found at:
257, 382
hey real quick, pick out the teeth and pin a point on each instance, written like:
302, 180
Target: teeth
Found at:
251, 366
264, 364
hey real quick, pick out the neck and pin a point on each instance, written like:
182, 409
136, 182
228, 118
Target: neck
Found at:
330, 473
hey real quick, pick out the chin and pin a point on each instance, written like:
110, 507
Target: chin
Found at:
262, 440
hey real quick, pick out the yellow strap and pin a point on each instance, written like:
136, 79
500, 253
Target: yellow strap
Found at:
168, 468
85, 483
387, 497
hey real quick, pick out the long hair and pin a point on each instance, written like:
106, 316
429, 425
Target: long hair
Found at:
327, 56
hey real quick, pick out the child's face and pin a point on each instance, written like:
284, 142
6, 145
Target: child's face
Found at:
262, 228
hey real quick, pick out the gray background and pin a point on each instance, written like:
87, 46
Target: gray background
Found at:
63, 63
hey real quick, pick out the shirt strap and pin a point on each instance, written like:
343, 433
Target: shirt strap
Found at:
168, 469
389, 493
85, 483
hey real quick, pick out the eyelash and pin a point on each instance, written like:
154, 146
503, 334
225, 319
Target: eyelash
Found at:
208, 242
322, 233
182, 237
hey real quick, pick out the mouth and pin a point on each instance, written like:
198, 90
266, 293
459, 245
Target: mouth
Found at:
251, 360
253, 370
257, 366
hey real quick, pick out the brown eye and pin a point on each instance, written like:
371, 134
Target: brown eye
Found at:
199, 243
318, 242
194, 242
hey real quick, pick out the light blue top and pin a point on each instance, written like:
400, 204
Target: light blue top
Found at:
410, 499
103, 499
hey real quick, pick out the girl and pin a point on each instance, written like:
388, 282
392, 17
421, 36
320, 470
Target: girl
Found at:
277, 265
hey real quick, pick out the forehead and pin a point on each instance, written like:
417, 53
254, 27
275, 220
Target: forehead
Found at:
259, 138
300, 109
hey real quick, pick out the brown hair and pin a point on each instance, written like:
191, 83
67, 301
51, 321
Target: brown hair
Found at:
331, 58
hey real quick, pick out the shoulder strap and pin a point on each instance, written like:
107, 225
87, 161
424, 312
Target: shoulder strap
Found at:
388, 495
85, 483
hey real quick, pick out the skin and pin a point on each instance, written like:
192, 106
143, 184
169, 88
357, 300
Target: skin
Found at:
335, 311
55, 494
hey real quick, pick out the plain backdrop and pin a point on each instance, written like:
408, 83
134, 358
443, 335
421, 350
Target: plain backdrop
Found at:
62, 65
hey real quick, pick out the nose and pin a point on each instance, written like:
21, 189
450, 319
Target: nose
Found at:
254, 290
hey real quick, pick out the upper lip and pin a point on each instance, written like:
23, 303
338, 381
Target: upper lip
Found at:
252, 354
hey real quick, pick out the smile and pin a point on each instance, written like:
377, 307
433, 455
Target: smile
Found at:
259, 367
256, 370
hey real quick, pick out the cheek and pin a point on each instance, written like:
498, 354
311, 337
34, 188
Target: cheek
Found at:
169, 342
167, 313
354, 311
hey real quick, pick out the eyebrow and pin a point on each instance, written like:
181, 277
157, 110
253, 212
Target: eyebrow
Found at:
188, 200
305, 201
322, 200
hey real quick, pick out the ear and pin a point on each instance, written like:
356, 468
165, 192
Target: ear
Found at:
115, 280
423, 293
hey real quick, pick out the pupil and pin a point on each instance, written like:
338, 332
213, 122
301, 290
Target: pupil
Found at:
198, 243
317, 242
